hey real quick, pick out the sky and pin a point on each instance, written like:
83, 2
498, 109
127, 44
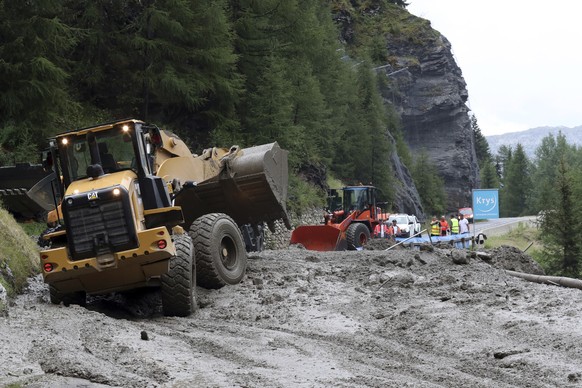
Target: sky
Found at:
521, 59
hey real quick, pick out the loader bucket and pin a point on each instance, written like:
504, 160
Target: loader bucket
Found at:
252, 188
42, 193
15, 182
319, 238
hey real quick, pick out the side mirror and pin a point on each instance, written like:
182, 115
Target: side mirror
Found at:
47, 161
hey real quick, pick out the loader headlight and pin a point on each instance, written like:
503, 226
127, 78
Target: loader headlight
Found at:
65, 141
116, 192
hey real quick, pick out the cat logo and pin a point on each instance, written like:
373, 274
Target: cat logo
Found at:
92, 196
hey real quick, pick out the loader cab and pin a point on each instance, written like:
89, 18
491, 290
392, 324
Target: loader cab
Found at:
128, 145
359, 198
95, 153
334, 200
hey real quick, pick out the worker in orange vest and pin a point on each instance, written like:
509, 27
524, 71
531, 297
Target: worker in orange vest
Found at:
444, 226
394, 229
381, 230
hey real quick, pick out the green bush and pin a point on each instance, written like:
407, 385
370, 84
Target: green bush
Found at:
19, 255
303, 195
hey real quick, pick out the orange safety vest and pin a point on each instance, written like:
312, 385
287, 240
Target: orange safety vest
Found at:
378, 230
444, 227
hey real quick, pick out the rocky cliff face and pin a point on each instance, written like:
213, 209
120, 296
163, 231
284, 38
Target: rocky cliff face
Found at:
426, 87
428, 90
407, 199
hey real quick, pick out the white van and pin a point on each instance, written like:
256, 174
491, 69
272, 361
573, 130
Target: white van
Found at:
408, 224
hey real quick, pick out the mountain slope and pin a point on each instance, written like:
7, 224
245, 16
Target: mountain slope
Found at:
532, 138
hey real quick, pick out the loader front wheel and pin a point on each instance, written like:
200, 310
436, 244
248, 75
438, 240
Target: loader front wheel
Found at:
357, 236
221, 258
179, 283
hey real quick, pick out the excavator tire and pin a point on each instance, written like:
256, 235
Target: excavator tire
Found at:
57, 297
179, 283
357, 235
221, 258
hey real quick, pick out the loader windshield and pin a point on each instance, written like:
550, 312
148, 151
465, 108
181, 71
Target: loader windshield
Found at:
115, 151
356, 198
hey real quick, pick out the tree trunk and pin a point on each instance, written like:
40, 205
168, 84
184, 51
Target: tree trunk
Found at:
555, 280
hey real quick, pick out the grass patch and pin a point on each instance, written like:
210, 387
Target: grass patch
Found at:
33, 228
303, 195
522, 237
18, 256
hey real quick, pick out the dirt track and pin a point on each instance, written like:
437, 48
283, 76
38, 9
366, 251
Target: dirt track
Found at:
307, 319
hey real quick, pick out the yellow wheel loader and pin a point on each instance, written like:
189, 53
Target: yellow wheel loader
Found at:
135, 208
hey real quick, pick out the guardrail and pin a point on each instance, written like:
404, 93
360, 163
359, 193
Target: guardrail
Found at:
461, 241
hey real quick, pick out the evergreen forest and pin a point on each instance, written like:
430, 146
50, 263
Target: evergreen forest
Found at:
547, 186
216, 72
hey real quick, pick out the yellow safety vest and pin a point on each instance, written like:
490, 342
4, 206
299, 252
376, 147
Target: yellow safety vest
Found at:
435, 229
454, 226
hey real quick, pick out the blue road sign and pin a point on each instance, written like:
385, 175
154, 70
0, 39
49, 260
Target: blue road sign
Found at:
485, 204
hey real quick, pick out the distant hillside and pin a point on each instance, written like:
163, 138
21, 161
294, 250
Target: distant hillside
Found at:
532, 138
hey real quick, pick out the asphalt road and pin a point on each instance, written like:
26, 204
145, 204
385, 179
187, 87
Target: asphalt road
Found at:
500, 226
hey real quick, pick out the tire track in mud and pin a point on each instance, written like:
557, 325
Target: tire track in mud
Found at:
308, 319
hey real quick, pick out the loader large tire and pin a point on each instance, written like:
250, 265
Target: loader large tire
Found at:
179, 283
56, 297
357, 236
221, 258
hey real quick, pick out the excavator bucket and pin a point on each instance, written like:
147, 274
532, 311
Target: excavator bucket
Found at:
319, 238
252, 188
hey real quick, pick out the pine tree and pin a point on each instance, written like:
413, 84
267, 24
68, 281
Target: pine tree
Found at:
561, 225
517, 185
481, 145
186, 59
502, 160
548, 155
101, 71
270, 109
489, 179
430, 186
34, 44
164, 60
365, 141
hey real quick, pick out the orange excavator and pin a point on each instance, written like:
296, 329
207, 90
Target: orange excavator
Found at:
349, 226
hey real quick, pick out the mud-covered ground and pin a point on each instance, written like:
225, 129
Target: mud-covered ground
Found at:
369, 318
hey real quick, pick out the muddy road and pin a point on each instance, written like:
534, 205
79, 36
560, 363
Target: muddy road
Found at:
307, 319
